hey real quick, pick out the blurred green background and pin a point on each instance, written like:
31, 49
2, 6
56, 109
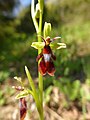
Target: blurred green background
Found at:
70, 19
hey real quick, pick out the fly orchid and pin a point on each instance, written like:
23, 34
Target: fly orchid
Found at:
22, 103
23, 108
46, 64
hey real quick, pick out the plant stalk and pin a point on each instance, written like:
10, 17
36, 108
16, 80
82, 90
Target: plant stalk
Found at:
40, 76
38, 27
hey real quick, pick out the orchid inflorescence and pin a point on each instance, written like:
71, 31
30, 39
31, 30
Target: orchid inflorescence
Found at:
45, 62
22, 103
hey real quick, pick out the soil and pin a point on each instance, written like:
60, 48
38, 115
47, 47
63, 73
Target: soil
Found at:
53, 109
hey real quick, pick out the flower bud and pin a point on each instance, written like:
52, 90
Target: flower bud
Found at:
23, 108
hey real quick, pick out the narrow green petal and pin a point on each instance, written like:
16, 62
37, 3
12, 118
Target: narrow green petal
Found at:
55, 46
61, 45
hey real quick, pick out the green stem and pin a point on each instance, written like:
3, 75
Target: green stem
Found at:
38, 27
40, 76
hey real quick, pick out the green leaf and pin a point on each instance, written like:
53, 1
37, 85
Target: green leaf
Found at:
85, 92
34, 90
75, 90
30, 80
2, 101
47, 94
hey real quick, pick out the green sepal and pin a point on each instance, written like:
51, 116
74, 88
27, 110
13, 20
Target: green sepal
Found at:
47, 29
38, 45
54, 46
23, 93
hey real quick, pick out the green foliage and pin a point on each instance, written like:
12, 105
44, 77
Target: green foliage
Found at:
2, 99
84, 91
66, 11
5, 93
47, 94
69, 61
86, 66
4, 75
74, 91
70, 89
48, 81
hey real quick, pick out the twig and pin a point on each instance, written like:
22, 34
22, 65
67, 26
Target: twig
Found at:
53, 113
